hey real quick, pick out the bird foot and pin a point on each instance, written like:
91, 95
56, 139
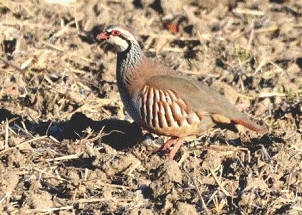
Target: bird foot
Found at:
175, 142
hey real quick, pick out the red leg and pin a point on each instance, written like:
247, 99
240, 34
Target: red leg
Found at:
177, 142
175, 149
167, 145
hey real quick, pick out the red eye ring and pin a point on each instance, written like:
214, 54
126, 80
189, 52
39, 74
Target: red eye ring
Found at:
115, 33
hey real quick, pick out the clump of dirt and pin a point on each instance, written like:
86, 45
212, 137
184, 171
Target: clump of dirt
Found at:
67, 146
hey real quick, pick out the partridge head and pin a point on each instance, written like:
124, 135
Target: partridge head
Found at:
164, 101
119, 37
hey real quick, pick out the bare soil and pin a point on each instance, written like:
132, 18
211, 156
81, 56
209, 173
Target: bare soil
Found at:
68, 147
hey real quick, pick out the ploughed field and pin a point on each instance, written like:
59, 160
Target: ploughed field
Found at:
68, 147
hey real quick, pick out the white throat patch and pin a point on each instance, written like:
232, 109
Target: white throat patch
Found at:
119, 43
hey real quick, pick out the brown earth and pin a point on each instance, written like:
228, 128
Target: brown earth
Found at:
67, 146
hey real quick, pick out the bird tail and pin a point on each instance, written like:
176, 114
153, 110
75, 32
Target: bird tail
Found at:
249, 124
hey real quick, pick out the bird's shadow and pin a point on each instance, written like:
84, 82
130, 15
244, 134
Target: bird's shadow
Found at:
120, 134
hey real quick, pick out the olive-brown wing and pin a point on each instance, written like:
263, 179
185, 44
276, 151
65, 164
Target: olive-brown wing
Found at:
199, 99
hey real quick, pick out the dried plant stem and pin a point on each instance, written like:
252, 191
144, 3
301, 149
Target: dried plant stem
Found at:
25, 142
219, 183
198, 191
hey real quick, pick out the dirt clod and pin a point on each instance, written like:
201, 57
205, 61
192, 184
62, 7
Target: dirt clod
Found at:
138, 211
184, 208
169, 171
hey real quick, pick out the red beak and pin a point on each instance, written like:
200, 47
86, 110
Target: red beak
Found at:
102, 36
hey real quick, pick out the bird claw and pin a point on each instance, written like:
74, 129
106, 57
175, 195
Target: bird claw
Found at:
175, 142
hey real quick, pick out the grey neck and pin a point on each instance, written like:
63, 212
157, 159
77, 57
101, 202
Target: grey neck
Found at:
127, 61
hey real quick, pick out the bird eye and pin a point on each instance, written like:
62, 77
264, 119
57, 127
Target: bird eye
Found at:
115, 33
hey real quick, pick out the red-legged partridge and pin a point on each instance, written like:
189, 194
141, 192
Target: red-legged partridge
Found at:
163, 101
